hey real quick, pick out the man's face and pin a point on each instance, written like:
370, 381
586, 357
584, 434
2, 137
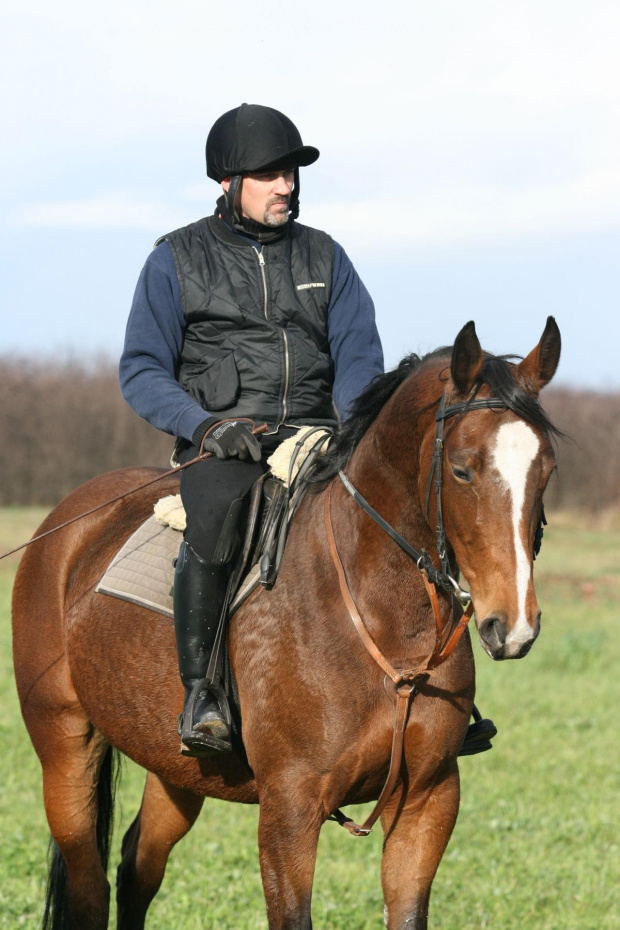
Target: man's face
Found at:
264, 197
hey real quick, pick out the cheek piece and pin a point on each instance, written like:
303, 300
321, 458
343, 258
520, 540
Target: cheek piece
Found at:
294, 202
231, 198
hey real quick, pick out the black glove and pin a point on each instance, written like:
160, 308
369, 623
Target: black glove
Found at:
231, 438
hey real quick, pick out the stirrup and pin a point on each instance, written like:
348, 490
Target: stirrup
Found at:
193, 742
479, 735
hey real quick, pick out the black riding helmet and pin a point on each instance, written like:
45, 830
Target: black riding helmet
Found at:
255, 138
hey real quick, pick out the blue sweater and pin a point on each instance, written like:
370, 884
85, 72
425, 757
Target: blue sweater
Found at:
154, 339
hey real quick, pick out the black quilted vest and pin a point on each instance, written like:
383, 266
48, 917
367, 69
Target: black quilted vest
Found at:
256, 341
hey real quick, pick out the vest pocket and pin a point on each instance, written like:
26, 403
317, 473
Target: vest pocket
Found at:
215, 387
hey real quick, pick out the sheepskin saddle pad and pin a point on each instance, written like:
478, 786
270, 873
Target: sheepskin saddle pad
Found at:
142, 572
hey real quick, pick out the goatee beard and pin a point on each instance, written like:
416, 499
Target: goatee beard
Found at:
278, 219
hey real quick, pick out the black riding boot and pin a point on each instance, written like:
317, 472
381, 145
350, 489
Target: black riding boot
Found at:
198, 595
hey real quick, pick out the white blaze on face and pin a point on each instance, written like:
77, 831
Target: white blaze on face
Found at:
516, 446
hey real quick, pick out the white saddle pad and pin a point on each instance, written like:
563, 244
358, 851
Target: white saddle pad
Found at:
143, 571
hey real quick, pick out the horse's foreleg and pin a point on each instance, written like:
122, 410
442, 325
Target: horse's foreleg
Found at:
166, 815
288, 835
415, 839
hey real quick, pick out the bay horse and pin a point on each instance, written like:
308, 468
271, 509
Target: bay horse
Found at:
95, 674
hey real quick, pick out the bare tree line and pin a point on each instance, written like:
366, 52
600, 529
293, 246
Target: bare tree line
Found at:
588, 474
63, 423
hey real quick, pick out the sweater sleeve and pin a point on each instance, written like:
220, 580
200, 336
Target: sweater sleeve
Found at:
354, 340
153, 343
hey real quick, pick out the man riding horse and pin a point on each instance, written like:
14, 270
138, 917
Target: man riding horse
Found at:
245, 315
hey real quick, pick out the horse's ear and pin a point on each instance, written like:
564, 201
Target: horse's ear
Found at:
539, 367
467, 359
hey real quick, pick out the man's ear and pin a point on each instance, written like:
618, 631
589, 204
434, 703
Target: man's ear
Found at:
226, 184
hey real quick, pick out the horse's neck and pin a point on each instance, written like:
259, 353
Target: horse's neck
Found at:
385, 470
385, 582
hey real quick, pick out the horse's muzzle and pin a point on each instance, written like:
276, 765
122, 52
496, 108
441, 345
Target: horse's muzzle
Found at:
493, 634
500, 644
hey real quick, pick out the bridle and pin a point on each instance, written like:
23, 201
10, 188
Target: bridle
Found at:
405, 681
443, 577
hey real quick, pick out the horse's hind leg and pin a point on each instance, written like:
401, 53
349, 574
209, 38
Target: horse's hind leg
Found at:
165, 816
416, 835
78, 890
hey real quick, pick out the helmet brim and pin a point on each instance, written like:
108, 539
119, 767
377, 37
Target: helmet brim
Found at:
297, 158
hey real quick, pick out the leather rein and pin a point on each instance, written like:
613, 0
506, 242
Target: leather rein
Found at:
405, 681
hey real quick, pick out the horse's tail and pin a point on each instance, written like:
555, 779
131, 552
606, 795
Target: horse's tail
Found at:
56, 914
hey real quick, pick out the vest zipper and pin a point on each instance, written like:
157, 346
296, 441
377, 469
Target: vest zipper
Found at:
261, 262
287, 365
286, 377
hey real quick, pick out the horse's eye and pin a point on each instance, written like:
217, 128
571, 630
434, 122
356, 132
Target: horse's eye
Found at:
463, 474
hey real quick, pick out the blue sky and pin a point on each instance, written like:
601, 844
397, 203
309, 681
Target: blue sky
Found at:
470, 159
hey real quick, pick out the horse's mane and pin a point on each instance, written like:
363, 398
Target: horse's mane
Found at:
497, 373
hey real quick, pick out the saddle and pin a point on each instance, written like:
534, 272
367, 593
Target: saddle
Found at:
142, 570
274, 500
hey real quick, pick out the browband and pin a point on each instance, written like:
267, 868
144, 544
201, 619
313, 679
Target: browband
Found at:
484, 403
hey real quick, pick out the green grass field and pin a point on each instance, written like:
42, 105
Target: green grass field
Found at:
537, 840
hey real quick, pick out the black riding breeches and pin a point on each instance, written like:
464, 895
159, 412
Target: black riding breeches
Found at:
215, 494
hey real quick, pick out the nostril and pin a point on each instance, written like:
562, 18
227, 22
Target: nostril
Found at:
493, 631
